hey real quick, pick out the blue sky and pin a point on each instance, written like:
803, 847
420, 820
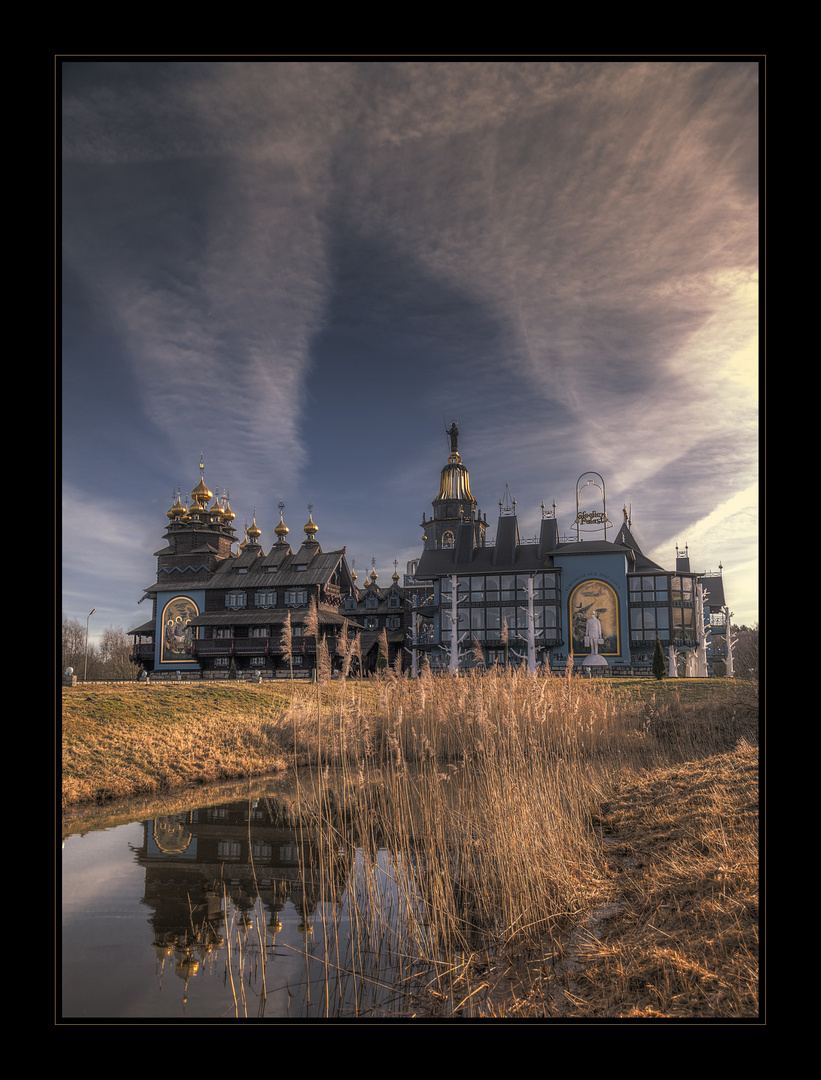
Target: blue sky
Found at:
305, 270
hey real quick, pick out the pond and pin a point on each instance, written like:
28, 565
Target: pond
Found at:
237, 909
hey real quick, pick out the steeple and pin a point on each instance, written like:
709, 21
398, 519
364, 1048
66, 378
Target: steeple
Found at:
454, 505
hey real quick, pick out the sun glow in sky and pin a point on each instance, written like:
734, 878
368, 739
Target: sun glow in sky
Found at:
305, 270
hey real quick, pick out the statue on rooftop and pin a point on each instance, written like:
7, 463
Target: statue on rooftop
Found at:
453, 431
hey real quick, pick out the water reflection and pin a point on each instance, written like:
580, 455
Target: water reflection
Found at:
234, 910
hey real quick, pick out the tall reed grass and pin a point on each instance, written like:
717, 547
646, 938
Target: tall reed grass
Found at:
485, 791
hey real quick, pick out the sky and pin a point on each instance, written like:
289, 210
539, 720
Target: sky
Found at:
300, 272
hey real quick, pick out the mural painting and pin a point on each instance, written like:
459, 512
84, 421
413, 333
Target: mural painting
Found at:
177, 634
589, 598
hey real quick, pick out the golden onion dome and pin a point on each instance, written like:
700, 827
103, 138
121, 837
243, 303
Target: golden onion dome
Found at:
177, 511
310, 528
228, 514
201, 494
281, 530
215, 510
253, 532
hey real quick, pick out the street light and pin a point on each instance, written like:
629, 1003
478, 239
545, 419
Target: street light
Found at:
85, 662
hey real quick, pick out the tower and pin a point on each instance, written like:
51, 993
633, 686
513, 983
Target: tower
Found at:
456, 519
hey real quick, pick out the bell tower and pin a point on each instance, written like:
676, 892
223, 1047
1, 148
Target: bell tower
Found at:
454, 508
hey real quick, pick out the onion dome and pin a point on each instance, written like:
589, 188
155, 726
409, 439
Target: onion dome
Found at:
228, 514
201, 494
177, 511
253, 532
310, 528
282, 529
215, 512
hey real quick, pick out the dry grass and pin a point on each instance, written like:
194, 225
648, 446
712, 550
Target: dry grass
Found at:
561, 847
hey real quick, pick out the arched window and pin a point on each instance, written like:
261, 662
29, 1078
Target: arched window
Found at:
447, 539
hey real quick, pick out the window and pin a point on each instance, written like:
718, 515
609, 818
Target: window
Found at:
221, 661
447, 539
258, 631
393, 600
296, 597
393, 622
350, 602
681, 588
235, 600
257, 661
271, 569
648, 589
371, 622
229, 849
544, 587
649, 623
223, 632
371, 603
266, 598
508, 587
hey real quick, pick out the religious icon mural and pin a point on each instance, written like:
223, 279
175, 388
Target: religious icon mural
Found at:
177, 634
590, 601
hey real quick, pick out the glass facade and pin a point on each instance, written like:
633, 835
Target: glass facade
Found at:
662, 606
489, 602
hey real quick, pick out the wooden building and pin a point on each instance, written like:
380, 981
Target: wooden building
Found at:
219, 610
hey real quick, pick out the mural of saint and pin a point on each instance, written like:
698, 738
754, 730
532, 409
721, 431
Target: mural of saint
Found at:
594, 604
177, 633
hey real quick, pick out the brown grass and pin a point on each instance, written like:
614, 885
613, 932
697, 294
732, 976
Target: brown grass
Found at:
563, 847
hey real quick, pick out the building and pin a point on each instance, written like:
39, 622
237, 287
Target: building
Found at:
548, 601
554, 600
216, 609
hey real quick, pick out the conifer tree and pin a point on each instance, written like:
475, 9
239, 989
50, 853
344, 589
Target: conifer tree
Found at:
659, 667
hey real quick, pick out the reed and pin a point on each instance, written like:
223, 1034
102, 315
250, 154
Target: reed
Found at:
596, 840
488, 794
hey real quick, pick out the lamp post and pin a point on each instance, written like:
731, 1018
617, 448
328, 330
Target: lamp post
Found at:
85, 661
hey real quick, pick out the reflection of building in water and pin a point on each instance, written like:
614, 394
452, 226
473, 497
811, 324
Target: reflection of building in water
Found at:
199, 862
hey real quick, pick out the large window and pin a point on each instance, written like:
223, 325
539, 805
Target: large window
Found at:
489, 601
649, 623
235, 600
296, 597
649, 589
265, 598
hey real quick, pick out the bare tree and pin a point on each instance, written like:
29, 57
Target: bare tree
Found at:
115, 655
745, 652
